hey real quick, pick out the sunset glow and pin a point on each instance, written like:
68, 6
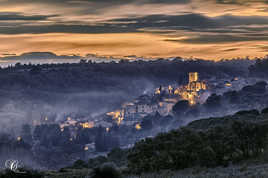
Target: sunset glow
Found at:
148, 28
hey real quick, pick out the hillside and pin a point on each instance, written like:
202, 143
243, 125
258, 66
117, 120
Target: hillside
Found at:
230, 146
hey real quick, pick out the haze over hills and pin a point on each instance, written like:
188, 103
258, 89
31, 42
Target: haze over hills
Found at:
38, 55
53, 115
37, 58
52, 58
133, 88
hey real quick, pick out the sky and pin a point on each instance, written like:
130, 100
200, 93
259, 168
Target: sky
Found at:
208, 29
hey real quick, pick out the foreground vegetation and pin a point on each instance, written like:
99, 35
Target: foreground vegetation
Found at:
241, 171
233, 141
230, 146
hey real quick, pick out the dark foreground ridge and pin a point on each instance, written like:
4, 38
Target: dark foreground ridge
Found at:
237, 141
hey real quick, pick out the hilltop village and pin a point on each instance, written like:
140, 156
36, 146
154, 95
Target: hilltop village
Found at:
161, 101
132, 116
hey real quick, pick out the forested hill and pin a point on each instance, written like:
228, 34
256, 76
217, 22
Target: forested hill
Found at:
206, 143
242, 116
111, 75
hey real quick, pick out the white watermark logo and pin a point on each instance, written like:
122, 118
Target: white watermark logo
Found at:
13, 165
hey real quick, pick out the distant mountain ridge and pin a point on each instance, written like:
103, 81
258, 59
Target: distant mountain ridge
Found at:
39, 55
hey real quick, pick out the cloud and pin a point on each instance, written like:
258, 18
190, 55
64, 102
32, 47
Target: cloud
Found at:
88, 29
231, 27
230, 49
10, 16
170, 21
121, 25
94, 1
240, 2
193, 20
214, 39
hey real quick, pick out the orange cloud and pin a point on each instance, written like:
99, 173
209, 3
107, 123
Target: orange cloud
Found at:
119, 45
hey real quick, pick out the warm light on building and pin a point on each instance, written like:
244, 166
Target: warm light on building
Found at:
190, 92
138, 126
170, 89
118, 116
87, 125
193, 77
19, 138
86, 148
107, 129
157, 91
176, 92
228, 84
163, 104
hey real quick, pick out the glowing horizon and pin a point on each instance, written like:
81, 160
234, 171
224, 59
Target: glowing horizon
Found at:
212, 29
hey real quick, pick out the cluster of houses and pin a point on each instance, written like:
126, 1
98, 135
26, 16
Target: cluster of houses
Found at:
161, 101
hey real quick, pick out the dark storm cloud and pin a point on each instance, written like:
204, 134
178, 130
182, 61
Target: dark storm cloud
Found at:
8, 16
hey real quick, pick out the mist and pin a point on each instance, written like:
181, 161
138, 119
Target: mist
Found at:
36, 100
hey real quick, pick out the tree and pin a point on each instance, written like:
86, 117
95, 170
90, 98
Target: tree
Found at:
213, 102
100, 143
207, 157
26, 133
147, 123
107, 170
181, 107
79, 164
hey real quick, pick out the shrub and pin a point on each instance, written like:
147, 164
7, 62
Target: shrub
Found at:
107, 170
264, 111
79, 164
253, 112
24, 174
96, 162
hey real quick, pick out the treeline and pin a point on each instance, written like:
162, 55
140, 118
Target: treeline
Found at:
186, 148
55, 148
49, 146
228, 140
24, 174
90, 75
259, 69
